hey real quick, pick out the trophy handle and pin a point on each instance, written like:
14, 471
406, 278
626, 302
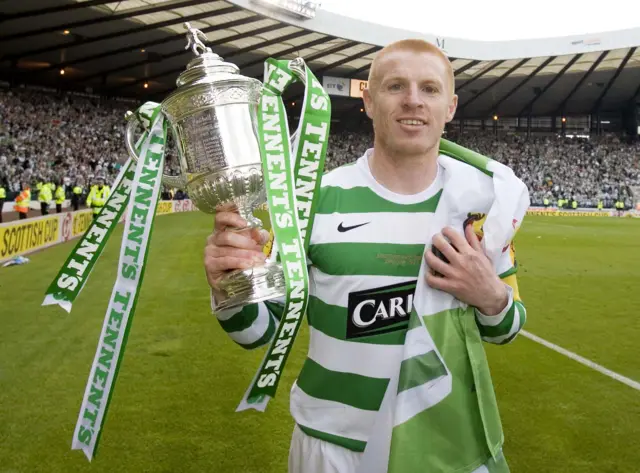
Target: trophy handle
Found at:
132, 123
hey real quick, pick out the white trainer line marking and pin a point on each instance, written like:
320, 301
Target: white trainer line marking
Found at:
601, 369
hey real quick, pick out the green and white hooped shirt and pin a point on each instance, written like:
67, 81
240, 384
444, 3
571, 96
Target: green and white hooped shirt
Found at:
365, 254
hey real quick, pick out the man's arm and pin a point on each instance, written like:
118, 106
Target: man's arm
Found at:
505, 326
468, 274
253, 325
90, 197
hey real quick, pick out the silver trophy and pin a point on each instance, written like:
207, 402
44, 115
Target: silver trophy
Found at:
213, 117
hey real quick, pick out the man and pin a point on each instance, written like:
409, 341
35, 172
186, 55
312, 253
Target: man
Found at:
44, 197
23, 200
98, 196
368, 236
3, 196
75, 197
60, 196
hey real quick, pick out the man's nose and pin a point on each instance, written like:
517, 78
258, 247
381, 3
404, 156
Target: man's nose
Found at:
412, 96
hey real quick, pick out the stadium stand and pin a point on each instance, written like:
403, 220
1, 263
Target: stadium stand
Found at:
599, 168
59, 138
66, 138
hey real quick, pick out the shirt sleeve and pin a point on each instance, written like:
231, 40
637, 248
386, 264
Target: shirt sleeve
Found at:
251, 326
504, 327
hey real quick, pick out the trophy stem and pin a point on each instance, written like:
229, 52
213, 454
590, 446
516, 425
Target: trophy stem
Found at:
250, 286
247, 214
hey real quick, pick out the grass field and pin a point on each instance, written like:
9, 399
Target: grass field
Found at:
181, 378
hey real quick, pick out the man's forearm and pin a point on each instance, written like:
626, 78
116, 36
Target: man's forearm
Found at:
504, 326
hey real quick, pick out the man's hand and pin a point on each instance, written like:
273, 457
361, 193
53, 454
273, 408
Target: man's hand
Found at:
469, 276
228, 250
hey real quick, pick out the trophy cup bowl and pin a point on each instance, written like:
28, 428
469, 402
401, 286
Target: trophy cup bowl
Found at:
213, 117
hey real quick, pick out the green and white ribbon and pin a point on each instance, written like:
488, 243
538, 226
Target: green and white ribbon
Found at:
292, 190
145, 191
75, 272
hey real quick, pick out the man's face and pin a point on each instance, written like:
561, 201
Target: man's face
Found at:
411, 102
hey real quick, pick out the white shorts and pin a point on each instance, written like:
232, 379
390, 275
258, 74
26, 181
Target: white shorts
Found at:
312, 455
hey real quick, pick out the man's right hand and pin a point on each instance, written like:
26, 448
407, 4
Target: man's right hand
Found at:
230, 250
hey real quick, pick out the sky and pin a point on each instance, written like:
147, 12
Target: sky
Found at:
494, 20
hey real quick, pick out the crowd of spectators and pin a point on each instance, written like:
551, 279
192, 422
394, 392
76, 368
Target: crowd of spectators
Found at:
553, 167
65, 139
587, 170
58, 138
73, 140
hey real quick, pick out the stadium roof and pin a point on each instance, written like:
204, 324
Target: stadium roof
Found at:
115, 47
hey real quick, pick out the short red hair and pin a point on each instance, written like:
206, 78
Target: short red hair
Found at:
414, 46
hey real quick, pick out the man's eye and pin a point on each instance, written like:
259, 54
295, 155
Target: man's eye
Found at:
430, 89
395, 87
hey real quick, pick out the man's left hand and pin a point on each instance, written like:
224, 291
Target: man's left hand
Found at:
469, 276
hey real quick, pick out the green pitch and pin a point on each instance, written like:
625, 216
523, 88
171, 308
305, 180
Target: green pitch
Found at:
181, 378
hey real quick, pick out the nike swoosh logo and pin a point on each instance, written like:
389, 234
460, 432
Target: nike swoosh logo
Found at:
342, 228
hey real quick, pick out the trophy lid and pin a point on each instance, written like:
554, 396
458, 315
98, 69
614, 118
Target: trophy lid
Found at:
208, 82
207, 64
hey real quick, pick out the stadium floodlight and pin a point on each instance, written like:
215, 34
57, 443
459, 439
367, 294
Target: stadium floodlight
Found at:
300, 8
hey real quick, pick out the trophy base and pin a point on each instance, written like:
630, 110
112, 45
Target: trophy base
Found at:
253, 285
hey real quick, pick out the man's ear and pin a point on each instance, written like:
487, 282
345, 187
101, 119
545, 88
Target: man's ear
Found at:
368, 103
453, 106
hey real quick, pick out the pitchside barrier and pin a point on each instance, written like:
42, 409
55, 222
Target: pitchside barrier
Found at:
582, 212
25, 236
8, 206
